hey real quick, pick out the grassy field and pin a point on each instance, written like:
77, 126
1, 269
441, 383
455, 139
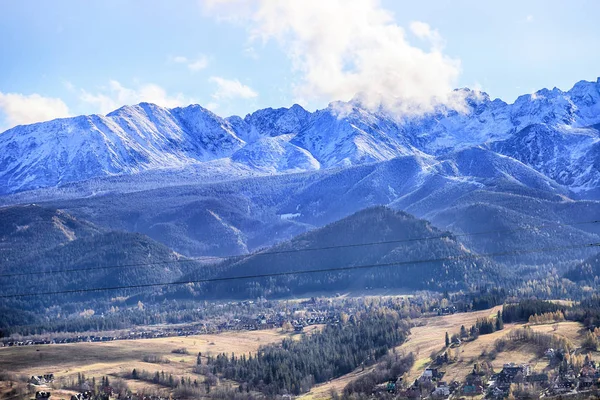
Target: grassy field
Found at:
423, 340
118, 357
429, 338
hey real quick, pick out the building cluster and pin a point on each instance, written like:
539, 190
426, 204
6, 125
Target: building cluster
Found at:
569, 381
39, 380
520, 380
299, 315
430, 384
499, 384
87, 395
520, 377
566, 380
234, 324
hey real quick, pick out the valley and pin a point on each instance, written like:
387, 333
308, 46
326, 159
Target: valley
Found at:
315, 254
178, 356
299, 200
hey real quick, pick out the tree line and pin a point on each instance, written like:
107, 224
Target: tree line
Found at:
296, 365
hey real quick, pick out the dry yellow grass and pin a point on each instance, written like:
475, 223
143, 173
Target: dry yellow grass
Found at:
118, 357
323, 391
573, 331
423, 340
429, 338
470, 352
79, 357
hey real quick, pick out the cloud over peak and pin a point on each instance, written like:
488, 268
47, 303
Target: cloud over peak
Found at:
115, 95
339, 48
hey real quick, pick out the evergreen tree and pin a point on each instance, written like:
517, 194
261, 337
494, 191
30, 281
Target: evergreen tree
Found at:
499, 322
447, 340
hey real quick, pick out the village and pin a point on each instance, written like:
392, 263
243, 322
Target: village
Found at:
236, 324
564, 370
248, 316
513, 380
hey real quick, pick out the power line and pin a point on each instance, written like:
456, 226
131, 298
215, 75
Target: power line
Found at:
266, 253
303, 272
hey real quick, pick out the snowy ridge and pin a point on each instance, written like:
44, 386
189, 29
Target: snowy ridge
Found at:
552, 131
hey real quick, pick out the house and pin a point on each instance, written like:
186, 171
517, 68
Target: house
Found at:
41, 379
82, 396
37, 380
512, 373
391, 386
537, 378
472, 390
586, 382
427, 375
441, 391
431, 374
512, 369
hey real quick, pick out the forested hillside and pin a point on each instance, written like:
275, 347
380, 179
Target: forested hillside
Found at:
589, 270
374, 236
76, 255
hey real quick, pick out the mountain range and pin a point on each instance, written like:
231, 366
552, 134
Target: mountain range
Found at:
551, 131
189, 183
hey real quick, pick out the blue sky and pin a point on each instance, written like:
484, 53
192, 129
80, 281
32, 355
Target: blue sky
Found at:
71, 57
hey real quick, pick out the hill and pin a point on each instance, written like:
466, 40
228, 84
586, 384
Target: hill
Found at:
372, 236
587, 271
241, 216
48, 228
68, 243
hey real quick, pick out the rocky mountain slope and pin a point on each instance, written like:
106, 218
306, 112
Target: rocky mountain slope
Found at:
203, 185
552, 131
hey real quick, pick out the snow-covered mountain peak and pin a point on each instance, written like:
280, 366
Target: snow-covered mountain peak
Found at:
275, 122
551, 130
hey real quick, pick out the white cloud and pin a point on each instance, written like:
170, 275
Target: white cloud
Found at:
212, 106
422, 30
231, 89
193, 65
199, 64
251, 52
180, 59
343, 47
529, 18
26, 109
117, 95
